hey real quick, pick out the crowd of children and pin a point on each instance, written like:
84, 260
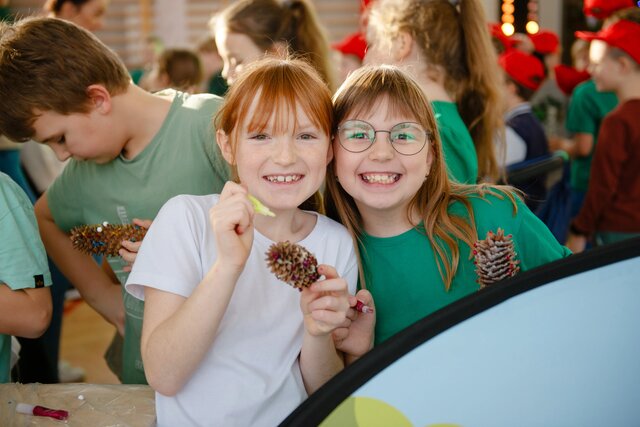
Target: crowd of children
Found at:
403, 157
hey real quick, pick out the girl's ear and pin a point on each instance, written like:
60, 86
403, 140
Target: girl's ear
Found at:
222, 139
100, 98
402, 46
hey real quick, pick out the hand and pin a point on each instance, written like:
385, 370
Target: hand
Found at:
129, 250
355, 336
556, 143
576, 243
325, 303
232, 222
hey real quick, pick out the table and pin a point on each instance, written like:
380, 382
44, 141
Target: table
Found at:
102, 404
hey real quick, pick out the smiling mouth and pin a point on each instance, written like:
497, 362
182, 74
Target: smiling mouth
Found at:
380, 178
283, 179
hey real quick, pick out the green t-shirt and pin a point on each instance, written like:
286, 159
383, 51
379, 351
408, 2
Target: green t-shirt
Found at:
459, 152
587, 108
23, 260
182, 158
403, 277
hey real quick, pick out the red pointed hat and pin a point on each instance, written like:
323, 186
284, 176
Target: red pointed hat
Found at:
625, 35
568, 78
353, 44
523, 68
545, 41
601, 9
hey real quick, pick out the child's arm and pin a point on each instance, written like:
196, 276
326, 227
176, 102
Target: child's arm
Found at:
177, 332
24, 312
82, 271
324, 306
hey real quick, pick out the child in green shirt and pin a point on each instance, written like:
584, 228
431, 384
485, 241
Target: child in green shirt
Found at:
415, 228
25, 300
130, 151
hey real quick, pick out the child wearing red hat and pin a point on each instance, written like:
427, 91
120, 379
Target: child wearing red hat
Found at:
525, 135
352, 49
549, 103
611, 208
602, 9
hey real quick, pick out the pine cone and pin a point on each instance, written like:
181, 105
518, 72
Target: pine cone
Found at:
495, 258
104, 239
293, 264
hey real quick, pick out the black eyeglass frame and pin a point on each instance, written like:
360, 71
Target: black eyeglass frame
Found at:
428, 135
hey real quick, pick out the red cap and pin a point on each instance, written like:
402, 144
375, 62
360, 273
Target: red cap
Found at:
601, 9
495, 30
545, 41
568, 78
364, 4
353, 44
625, 35
523, 68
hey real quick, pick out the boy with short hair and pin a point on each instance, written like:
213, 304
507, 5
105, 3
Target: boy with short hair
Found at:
130, 152
25, 299
611, 210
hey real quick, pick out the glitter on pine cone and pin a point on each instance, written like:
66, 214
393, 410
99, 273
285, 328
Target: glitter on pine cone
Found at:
104, 239
293, 264
495, 258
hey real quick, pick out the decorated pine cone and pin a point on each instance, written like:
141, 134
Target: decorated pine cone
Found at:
495, 258
293, 264
104, 239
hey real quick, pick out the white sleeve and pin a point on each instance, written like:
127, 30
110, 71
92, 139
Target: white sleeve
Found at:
515, 146
169, 257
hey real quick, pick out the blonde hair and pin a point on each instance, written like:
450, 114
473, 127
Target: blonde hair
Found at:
358, 95
293, 22
47, 64
456, 40
280, 85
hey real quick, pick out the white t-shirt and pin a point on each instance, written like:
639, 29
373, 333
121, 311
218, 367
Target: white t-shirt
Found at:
250, 376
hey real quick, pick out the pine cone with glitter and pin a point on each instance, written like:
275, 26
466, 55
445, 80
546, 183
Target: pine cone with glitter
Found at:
293, 264
104, 239
495, 258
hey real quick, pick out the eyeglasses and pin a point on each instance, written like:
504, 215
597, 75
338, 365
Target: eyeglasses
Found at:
406, 138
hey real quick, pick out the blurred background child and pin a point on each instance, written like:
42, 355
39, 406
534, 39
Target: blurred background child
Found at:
178, 69
525, 136
247, 30
611, 210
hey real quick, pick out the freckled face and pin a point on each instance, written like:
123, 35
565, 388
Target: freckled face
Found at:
282, 167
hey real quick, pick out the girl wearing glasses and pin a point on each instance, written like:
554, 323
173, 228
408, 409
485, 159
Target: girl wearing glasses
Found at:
415, 228
446, 48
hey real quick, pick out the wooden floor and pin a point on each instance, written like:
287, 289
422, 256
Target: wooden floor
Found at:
85, 337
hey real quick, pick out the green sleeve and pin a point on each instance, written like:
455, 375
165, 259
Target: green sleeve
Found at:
534, 242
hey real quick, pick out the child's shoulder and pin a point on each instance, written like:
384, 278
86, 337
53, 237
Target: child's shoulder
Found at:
11, 195
490, 202
192, 102
327, 228
188, 204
